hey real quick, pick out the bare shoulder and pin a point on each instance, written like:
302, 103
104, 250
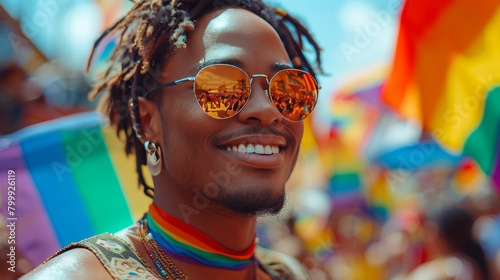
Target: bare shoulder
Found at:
72, 264
77, 261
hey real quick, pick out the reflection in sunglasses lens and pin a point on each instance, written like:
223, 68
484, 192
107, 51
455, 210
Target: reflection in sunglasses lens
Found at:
222, 90
294, 93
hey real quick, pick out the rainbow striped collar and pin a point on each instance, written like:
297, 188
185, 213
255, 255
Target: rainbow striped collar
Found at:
186, 243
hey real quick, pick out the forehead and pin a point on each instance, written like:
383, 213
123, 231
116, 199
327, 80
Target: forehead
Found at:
232, 34
235, 25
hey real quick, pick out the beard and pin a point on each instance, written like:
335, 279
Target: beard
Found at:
253, 200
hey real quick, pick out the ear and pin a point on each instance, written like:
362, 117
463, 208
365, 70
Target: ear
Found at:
150, 120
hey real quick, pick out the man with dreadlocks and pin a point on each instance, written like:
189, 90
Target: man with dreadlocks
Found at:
196, 88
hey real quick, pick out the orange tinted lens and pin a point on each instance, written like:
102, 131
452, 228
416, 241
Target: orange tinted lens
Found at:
294, 93
221, 90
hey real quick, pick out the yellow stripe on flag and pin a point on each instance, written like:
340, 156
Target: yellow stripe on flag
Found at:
125, 170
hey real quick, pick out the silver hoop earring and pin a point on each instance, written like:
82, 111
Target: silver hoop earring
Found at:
153, 157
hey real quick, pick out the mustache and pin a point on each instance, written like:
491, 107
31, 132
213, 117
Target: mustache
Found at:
255, 131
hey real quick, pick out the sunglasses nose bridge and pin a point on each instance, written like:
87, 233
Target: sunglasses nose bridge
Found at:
267, 82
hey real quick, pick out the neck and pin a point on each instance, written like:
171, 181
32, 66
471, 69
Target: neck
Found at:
188, 244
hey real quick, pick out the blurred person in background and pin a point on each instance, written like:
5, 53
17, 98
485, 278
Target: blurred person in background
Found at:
53, 93
488, 231
454, 252
399, 248
12, 81
487, 226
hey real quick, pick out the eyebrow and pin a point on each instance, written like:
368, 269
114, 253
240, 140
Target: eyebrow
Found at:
275, 66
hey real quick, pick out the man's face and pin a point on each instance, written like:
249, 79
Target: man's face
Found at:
198, 154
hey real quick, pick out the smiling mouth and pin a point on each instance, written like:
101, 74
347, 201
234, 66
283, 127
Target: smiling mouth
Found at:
259, 149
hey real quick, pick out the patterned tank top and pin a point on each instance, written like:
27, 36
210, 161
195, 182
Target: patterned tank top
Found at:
122, 261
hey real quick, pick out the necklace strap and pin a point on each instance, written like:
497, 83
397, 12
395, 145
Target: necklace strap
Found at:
162, 262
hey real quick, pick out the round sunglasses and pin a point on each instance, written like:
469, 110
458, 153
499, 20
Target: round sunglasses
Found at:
222, 90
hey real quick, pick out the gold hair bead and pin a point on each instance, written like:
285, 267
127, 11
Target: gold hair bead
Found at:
296, 61
281, 12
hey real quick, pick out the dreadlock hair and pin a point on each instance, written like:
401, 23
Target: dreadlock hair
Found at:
148, 33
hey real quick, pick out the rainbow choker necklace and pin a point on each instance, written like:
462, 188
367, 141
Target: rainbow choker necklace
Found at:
185, 243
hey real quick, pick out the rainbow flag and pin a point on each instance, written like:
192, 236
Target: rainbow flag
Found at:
343, 136
72, 181
352, 119
446, 75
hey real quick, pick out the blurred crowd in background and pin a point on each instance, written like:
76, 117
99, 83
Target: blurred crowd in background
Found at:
37, 84
373, 196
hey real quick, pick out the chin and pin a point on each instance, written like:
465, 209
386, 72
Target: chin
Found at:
254, 200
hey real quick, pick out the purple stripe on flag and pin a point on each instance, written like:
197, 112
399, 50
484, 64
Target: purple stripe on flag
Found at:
495, 175
34, 233
371, 94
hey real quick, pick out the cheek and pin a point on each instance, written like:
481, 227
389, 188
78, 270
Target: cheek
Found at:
180, 120
180, 108
298, 131
182, 142
185, 128
301, 129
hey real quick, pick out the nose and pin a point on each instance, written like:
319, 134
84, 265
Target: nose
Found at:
259, 107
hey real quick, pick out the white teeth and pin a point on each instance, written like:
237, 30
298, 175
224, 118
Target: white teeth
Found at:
250, 149
259, 149
242, 148
275, 149
255, 149
268, 150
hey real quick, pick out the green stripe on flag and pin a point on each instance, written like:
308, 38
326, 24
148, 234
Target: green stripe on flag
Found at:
482, 143
345, 182
96, 179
